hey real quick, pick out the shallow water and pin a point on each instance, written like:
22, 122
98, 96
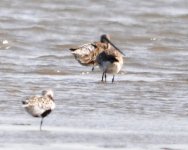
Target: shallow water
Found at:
145, 109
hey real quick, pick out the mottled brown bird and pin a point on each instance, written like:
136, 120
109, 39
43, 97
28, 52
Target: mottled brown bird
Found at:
86, 54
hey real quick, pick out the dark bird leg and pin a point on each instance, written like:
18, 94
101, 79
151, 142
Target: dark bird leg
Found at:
102, 76
113, 79
41, 124
105, 76
92, 68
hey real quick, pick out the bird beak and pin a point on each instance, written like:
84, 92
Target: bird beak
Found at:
115, 46
51, 97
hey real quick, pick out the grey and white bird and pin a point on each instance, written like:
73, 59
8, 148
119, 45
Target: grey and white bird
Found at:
40, 106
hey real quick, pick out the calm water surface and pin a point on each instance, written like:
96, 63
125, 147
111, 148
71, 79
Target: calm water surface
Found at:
145, 109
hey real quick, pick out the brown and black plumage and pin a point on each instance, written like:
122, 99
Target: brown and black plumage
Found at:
40, 106
86, 54
110, 61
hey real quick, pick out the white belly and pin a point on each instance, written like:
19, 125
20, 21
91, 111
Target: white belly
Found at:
35, 111
112, 68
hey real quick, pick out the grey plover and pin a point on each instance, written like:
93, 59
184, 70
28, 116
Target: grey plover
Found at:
40, 106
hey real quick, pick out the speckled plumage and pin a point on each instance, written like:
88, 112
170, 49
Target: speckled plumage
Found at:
86, 54
40, 106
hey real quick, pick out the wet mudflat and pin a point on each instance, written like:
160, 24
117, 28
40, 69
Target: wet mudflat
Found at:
146, 107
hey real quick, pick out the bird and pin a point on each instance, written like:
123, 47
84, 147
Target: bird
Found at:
110, 61
86, 54
40, 106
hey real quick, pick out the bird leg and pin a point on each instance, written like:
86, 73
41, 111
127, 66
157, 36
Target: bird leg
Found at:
103, 76
113, 79
92, 68
41, 124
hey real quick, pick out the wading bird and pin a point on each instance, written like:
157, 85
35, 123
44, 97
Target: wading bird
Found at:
86, 54
40, 106
110, 61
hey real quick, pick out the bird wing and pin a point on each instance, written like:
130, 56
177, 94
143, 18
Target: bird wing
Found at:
87, 53
83, 50
42, 102
108, 55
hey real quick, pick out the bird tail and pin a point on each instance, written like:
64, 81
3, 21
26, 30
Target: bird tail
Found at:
24, 103
76, 52
72, 49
